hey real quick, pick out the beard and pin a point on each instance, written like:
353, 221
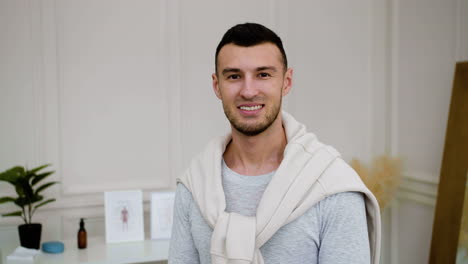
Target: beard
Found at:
252, 129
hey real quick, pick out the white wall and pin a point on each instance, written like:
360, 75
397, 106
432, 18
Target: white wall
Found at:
117, 94
428, 37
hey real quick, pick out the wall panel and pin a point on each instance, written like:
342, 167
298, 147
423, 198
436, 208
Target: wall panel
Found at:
426, 59
200, 32
17, 90
113, 118
424, 41
330, 49
462, 33
118, 95
414, 239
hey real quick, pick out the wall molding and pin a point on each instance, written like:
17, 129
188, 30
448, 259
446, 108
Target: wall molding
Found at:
413, 188
393, 94
173, 51
165, 82
36, 55
419, 187
457, 24
96, 209
392, 115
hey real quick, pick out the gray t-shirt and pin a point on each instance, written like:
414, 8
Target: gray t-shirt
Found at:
332, 231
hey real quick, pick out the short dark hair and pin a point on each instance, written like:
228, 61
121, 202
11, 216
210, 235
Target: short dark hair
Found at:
251, 34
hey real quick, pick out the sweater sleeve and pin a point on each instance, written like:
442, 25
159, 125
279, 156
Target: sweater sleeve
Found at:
343, 235
182, 249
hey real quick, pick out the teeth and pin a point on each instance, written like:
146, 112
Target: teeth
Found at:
251, 108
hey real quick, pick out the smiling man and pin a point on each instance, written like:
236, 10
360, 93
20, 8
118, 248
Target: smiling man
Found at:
269, 191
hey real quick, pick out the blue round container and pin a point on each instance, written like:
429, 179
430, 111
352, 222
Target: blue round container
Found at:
54, 247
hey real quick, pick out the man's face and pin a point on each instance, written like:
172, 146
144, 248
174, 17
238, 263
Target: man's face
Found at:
251, 82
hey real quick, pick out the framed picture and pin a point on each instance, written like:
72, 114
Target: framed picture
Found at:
124, 216
162, 210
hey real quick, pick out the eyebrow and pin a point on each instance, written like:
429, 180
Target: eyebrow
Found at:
229, 70
236, 70
270, 68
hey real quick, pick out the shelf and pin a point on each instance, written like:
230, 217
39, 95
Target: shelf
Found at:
98, 252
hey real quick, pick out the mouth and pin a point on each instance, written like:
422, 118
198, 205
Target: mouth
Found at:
250, 109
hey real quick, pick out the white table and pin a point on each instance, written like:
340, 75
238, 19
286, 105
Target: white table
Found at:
98, 252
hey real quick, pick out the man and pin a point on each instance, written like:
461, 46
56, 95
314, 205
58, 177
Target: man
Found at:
269, 192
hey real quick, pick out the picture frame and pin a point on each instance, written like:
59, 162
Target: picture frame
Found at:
124, 216
162, 211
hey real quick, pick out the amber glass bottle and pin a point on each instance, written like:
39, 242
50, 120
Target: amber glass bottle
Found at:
82, 243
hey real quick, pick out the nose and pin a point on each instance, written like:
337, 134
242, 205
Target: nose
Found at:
248, 89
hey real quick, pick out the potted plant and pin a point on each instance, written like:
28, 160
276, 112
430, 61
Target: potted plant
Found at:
29, 186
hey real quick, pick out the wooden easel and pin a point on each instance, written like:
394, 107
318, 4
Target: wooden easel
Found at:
451, 192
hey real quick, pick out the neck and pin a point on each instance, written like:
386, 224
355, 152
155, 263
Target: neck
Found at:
256, 155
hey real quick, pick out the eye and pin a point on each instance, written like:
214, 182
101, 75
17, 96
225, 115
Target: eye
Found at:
233, 76
264, 75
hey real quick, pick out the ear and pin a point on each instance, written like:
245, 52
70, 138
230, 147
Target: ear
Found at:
216, 85
287, 81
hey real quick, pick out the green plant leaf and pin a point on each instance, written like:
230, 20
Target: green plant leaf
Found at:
25, 188
10, 176
17, 213
19, 189
44, 186
7, 199
44, 203
36, 198
39, 168
18, 169
31, 174
23, 181
40, 177
21, 201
